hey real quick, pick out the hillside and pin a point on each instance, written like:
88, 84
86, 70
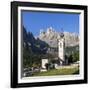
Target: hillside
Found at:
35, 45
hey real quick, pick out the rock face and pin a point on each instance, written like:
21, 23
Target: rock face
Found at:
33, 45
71, 39
51, 37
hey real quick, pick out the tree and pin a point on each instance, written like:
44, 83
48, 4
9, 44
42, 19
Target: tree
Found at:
70, 59
75, 56
47, 65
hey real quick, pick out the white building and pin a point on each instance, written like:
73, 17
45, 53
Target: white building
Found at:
44, 61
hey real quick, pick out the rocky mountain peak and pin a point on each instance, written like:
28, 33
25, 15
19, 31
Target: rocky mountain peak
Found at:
50, 36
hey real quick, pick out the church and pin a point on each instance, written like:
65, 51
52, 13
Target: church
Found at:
60, 57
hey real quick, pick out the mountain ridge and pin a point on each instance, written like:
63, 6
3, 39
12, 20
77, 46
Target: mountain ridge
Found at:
50, 36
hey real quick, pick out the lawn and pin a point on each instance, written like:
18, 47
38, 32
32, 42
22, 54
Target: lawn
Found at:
61, 71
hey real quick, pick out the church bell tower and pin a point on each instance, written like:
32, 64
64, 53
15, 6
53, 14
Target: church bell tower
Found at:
61, 49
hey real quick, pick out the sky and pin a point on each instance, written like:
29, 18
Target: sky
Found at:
35, 21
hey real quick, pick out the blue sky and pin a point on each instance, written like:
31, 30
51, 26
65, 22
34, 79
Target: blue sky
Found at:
34, 21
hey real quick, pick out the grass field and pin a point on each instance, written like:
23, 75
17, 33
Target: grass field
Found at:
61, 71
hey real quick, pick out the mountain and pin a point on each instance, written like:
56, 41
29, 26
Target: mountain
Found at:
50, 36
45, 46
71, 39
33, 45
72, 49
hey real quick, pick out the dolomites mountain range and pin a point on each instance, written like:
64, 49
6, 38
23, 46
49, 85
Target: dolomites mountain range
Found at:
50, 36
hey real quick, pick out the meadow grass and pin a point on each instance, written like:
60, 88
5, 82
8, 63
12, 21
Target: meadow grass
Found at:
61, 71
